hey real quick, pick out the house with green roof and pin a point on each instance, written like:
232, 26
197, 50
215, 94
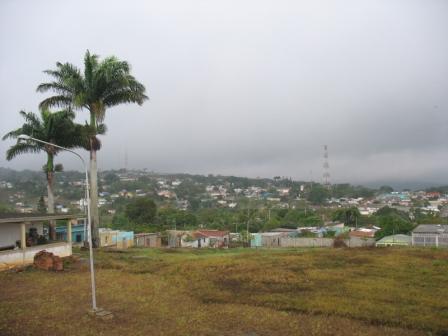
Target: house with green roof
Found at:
395, 240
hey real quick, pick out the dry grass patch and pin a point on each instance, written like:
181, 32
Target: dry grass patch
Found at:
236, 292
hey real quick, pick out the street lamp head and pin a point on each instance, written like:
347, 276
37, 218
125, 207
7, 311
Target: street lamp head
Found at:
23, 137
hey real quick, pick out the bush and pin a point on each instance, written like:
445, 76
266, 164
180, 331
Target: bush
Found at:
339, 242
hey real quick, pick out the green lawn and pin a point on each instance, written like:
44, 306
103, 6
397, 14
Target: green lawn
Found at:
236, 292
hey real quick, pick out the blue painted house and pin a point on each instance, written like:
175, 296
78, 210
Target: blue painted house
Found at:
116, 238
256, 240
78, 233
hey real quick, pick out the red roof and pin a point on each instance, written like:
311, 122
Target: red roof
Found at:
211, 233
362, 234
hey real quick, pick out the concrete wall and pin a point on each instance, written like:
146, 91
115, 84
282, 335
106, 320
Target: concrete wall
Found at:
20, 257
271, 241
125, 239
10, 232
108, 238
360, 242
77, 230
150, 240
324, 242
255, 240
306, 242
203, 242
174, 237
116, 238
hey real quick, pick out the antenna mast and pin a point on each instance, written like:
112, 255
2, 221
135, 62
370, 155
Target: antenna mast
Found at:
326, 166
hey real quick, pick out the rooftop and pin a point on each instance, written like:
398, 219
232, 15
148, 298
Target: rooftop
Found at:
431, 228
35, 217
211, 233
398, 238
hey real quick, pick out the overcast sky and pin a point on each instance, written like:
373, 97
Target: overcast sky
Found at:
251, 88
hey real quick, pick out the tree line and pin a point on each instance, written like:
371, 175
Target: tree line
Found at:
144, 215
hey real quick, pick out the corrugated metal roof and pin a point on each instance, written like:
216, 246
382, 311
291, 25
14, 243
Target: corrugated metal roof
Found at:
211, 233
431, 228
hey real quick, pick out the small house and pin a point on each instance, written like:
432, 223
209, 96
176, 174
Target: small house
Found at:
147, 240
272, 239
363, 233
255, 240
435, 235
395, 240
198, 238
212, 238
24, 235
79, 233
116, 238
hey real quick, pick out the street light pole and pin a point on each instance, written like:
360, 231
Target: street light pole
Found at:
92, 271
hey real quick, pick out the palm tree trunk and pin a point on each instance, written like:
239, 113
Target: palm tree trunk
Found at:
95, 218
50, 191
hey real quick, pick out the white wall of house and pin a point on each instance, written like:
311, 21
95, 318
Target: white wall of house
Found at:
19, 256
10, 232
205, 242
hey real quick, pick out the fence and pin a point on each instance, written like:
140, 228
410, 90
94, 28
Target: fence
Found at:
324, 242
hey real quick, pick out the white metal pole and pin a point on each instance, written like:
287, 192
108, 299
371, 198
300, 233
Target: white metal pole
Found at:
92, 270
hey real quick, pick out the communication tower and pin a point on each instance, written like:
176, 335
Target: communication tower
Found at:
326, 166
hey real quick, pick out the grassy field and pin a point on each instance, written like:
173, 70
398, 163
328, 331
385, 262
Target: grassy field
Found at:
236, 292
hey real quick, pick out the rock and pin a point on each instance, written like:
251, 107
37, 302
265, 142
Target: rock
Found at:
57, 264
47, 261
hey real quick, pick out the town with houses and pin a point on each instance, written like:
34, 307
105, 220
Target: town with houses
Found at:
255, 213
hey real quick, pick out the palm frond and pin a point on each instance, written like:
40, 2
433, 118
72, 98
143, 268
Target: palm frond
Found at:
90, 66
101, 129
22, 148
55, 86
102, 84
56, 101
13, 134
124, 97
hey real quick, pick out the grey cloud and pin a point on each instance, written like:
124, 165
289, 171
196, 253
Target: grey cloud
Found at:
250, 88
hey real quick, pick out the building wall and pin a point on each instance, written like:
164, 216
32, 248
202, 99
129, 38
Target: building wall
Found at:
77, 230
430, 239
10, 232
306, 242
147, 240
360, 242
125, 239
108, 238
19, 256
325, 242
255, 240
204, 242
174, 237
115, 238
271, 241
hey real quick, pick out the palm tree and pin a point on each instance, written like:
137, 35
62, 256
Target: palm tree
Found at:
57, 128
102, 84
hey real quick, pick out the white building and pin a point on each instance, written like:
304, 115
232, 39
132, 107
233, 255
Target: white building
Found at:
20, 237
